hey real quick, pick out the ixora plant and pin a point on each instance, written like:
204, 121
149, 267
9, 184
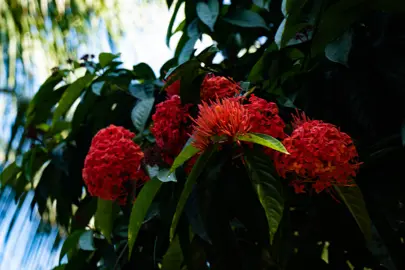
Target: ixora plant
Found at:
284, 155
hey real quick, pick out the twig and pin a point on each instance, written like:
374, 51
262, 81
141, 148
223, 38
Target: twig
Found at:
119, 257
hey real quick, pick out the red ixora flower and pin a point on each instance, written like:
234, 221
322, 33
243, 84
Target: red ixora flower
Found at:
112, 168
220, 87
320, 155
211, 88
222, 120
171, 127
264, 117
173, 89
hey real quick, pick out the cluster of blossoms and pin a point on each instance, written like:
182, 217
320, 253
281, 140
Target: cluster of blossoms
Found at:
320, 155
112, 168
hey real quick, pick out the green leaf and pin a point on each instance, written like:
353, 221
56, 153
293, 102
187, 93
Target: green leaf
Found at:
173, 259
144, 72
335, 21
246, 18
104, 218
86, 241
9, 173
142, 91
265, 4
353, 198
140, 113
164, 175
71, 244
70, 95
208, 13
188, 152
268, 188
264, 140
338, 51
187, 51
172, 20
40, 106
188, 186
106, 59
97, 87
140, 209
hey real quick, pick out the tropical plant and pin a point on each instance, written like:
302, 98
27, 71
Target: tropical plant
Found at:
285, 155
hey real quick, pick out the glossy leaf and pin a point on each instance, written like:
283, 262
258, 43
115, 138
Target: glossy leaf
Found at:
9, 173
144, 72
140, 209
140, 113
246, 18
106, 59
71, 243
97, 87
353, 198
208, 13
268, 188
265, 4
338, 51
188, 152
188, 187
173, 258
104, 218
86, 241
71, 94
264, 140
172, 20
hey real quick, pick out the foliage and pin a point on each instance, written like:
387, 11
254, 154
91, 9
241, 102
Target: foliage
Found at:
329, 58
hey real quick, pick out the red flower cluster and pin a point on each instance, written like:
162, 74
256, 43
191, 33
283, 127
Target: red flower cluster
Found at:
223, 120
220, 87
211, 88
173, 89
171, 127
264, 117
113, 165
320, 154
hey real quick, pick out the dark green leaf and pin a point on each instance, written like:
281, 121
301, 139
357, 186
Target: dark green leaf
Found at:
97, 87
187, 51
265, 4
60, 267
144, 72
173, 258
84, 213
208, 13
86, 241
140, 209
9, 173
264, 140
142, 91
106, 59
335, 21
188, 152
172, 20
268, 188
188, 186
208, 54
70, 95
164, 175
40, 106
246, 18
353, 198
104, 218
71, 243
140, 113
338, 51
